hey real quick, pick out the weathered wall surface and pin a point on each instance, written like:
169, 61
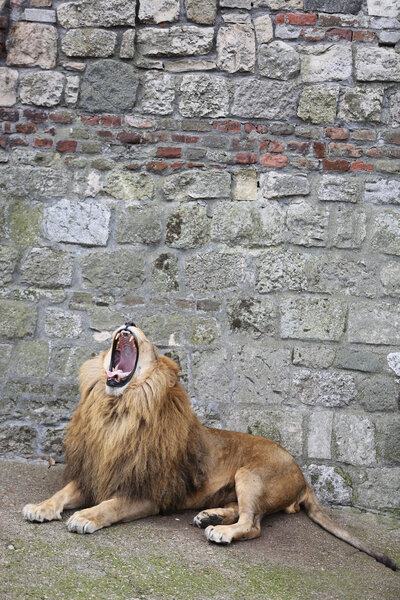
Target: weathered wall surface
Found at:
226, 175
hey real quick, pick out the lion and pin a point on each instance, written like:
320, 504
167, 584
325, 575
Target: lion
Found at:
134, 448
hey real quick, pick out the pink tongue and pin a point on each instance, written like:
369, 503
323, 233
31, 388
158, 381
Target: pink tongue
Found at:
117, 372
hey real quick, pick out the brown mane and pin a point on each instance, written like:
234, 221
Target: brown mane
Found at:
143, 444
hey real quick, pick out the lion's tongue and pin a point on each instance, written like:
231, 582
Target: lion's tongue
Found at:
111, 374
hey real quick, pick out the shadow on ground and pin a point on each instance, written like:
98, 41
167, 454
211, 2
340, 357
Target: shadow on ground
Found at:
166, 558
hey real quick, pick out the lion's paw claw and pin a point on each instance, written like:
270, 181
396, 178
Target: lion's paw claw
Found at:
40, 513
78, 523
218, 535
204, 518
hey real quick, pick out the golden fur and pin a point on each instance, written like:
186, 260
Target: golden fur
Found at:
141, 449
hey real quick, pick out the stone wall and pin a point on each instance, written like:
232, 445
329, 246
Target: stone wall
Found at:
226, 175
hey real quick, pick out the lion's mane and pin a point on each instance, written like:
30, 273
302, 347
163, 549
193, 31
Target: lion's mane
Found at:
143, 444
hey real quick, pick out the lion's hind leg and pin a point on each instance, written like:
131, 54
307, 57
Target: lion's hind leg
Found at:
217, 516
51, 509
249, 491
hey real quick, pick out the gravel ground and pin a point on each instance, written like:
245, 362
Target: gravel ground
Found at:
166, 558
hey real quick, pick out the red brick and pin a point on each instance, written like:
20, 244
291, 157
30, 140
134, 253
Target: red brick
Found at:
301, 19
9, 114
169, 152
157, 136
337, 20
243, 143
280, 18
227, 126
15, 142
90, 119
337, 164
338, 149
249, 127
7, 127
338, 34
358, 165
3, 141
156, 165
185, 139
105, 135
375, 152
66, 146
313, 35
262, 128
299, 147
61, 117
246, 158
42, 143
271, 145
364, 36
26, 128
35, 115
319, 149
129, 137
110, 121
337, 133
192, 165
176, 165
392, 137
133, 166
364, 134
394, 152
274, 160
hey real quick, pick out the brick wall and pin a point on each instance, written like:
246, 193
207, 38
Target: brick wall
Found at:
226, 175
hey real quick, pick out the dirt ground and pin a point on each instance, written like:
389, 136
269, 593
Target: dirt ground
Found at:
167, 558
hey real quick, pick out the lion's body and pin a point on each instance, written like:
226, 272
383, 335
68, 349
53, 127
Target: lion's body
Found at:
142, 450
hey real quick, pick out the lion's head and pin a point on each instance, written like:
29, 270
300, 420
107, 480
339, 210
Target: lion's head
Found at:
130, 356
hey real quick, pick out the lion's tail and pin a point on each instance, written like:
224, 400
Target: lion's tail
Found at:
317, 514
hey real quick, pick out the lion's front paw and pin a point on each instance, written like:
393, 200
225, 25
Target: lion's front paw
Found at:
45, 511
219, 534
80, 522
204, 518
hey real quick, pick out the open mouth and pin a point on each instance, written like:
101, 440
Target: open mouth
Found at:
124, 357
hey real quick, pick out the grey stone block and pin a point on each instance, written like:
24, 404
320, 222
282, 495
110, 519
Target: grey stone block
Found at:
332, 485
378, 488
348, 227
178, 40
279, 185
207, 366
40, 15
278, 60
89, 42
17, 319
124, 185
110, 270
8, 86
62, 324
378, 393
358, 360
8, 261
320, 434
252, 315
318, 103
47, 268
139, 225
312, 318
203, 96
85, 223
17, 440
374, 323
264, 99
42, 89
201, 11
164, 274
285, 270
109, 86
307, 223
31, 358
386, 232
314, 357
236, 48
382, 191
159, 11
362, 104
104, 13
377, 64
214, 271
338, 188
32, 45
346, 7
187, 226
158, 94
197, 184
323, 388
354, 439
322, 62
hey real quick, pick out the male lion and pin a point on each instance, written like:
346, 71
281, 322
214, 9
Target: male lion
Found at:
134, 447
